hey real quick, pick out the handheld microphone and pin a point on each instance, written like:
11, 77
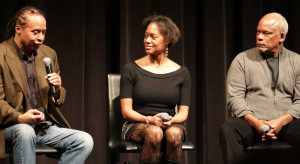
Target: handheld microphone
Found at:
165, 117
53, 89
265, 128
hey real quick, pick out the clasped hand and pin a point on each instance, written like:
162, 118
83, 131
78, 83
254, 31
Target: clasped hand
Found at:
156, 120
32, 116
274, 128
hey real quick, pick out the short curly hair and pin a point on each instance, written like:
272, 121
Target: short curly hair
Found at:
167, 27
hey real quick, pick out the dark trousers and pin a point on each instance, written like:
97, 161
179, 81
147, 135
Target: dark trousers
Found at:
236, 134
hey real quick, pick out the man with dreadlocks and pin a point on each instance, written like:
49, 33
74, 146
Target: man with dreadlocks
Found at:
28, 109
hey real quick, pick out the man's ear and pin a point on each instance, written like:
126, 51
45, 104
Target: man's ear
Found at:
282, 37
18, 29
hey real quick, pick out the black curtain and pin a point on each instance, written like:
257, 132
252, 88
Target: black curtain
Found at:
93, 38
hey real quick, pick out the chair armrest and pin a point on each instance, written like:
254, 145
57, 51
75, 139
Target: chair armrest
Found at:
262, 146
188, 146
42, 149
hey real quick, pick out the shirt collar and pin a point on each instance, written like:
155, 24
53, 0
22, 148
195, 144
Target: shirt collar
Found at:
22, 55
267, 56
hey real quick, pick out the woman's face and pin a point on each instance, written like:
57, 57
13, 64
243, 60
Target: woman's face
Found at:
154, 41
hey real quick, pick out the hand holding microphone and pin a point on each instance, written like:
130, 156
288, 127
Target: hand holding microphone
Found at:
268, 133
160, 119
165, 117
265, 128
53, 89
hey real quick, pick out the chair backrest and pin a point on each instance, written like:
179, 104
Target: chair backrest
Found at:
115, 115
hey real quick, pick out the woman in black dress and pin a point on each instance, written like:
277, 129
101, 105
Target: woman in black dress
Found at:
151, 86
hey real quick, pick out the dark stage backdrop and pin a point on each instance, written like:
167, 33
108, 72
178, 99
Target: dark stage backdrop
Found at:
94, 38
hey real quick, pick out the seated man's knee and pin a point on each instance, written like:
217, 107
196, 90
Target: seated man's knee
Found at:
86, 141
225, 130
23, 132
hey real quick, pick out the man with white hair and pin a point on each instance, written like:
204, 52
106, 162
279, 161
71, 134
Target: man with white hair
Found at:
263, 92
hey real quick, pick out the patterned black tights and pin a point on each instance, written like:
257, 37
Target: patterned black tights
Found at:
151, 137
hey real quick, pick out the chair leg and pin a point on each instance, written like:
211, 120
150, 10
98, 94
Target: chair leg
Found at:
115, 158
11, 159
7, 160
171, 162
128, 162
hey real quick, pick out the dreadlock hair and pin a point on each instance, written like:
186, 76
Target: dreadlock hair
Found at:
20, 18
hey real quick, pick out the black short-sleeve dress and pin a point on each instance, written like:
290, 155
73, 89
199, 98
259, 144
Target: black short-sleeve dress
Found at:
153, 93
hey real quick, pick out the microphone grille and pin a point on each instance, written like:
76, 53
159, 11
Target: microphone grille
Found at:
164, 116
47, 61
265, 128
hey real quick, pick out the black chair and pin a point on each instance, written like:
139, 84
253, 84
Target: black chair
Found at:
272, 146
46, 150
115, 143
272, 152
